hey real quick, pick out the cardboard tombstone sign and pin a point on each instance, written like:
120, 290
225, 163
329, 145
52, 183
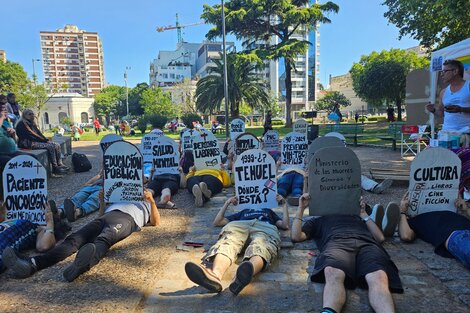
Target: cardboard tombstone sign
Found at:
160, 153
300, 126
294, 148
123, 173
245, 142
206, 150
255, 180
237, 127
25, 188
157, 132
434, 181
323, 142
107, 140
271, 141
187, 140
334, 182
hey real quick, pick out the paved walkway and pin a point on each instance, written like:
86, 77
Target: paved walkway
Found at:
431, 283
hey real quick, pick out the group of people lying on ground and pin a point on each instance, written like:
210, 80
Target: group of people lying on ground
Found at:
350, 247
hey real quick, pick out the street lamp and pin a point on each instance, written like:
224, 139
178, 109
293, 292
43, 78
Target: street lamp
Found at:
227, 131
127, 92
34, 69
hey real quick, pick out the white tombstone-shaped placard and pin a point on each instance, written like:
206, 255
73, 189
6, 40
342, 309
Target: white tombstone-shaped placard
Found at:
334, 182
434, 181
206, 150
237, 127
294, 148
271, 141
157, 132
160, 153
25, 189
245, 142
323, 142
255, 180
107, 140
300, 126
123, 173
187, 140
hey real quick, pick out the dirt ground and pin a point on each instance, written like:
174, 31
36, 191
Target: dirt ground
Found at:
121, 282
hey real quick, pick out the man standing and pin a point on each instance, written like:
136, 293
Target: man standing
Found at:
350, 256
390, 114
268, 123
97, 126
454, 99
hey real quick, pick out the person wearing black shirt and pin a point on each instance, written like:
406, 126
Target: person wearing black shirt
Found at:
447, 231
268, 122
259, 228
350, 255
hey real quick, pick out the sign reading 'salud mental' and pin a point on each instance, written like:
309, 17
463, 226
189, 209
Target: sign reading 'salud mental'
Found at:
434, 181
206, 150
107, 140
255, 180
160, 153
123, 173
237, 127
245, 142
334, 182
25, 188
293, 150
271, 141
300, 126
187, 140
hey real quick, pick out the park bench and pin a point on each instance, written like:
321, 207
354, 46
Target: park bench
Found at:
390, 173
347, 130
393, 133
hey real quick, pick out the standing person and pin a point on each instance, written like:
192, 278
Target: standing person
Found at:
350, 255
13, 108
75, 131
92, 241
356, 117
454, 102
337, 112
268, 122
117, 128
96, 124
390, 114
30, 137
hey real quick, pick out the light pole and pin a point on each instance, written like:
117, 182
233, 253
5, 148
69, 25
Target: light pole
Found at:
127, 91
34, 69
227, 131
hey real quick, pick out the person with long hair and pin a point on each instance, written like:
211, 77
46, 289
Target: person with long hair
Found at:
30, 137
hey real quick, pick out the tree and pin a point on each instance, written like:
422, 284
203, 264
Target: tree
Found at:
243, 86
155, 100
135, 99
13, 78
186, 92
108, 100
262, 20
435, 23
330, 99
381, 77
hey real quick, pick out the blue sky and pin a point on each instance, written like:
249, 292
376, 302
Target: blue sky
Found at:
127, 30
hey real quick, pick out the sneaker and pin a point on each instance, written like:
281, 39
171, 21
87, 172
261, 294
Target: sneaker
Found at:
59, 170
242, 278
21, 267
377, 215
201, 276
69, 210
81, 264
293, 200
205, 190
53, 207
391, 219
197, 193
384, 185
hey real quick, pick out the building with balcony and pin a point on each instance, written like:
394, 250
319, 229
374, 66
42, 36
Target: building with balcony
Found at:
72, 61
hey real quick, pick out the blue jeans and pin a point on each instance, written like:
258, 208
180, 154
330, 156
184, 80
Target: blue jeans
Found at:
290, 183
459, 246
87, 199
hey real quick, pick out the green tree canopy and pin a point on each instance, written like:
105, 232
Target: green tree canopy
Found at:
263, 19
435, 23
13, 78
155, 100
380, 78
108, 101
330, 99
244, 86
135, 98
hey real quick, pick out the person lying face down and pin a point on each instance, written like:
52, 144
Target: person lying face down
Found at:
350, 255
259, 228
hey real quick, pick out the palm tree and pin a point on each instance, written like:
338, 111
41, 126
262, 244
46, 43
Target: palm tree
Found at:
244, 85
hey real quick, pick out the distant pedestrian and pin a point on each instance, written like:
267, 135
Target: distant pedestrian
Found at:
390, 114
117, 128
268, 123
356, 117
96, 124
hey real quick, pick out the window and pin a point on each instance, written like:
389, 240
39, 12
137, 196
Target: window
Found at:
46, 118
84, 117
62, 115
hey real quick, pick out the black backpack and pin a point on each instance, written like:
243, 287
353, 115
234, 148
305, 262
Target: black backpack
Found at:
80, 162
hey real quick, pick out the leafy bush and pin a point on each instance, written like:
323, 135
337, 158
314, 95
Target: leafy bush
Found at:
142, 124
66, 121
189, 118
156, 120
277, 122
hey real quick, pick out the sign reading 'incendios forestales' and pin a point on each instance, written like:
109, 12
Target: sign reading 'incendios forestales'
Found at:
123, 173
25, 187
255, 180
206, 150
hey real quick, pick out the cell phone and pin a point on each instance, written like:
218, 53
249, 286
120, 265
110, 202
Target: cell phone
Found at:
193, 244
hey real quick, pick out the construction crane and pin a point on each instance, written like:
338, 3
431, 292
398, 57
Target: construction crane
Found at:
178, 28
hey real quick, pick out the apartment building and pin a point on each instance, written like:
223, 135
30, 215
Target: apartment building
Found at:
72, 61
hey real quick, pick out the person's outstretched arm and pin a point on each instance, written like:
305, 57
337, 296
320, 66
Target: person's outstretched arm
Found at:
371, 226
220, 219
154, 214
296, 232
45, 239
404, 230
284, 223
